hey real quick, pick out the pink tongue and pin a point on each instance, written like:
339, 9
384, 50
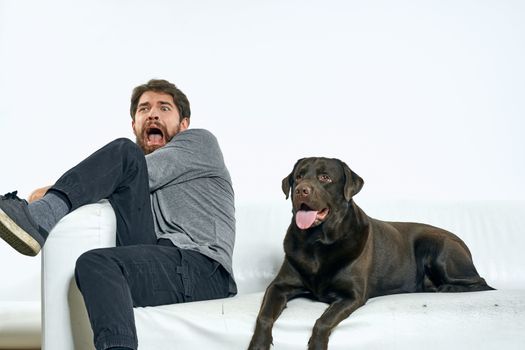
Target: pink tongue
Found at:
155, 138
304, 219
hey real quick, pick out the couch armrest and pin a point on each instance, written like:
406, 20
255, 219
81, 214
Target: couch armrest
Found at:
89, 227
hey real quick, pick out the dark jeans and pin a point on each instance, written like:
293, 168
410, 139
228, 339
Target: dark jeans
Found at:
140, 271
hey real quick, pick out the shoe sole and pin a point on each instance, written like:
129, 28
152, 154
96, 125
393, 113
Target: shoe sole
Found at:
16, 237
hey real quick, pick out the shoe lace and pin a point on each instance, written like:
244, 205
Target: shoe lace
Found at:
11, 195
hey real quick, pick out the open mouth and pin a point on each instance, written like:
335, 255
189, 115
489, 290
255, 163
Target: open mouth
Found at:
154, 136
307, 217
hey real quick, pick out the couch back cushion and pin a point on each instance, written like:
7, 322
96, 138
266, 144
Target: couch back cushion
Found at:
493, 230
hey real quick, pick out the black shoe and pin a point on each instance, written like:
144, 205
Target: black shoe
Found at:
17, 227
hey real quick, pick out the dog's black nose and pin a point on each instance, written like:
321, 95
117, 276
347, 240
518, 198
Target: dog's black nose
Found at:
303, 191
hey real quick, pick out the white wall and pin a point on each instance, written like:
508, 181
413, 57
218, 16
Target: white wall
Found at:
423, 99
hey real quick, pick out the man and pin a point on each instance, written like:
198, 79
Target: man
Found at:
174, 203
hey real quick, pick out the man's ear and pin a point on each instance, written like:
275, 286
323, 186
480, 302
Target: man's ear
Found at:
133, 127
184, 124
288, 181
353, 182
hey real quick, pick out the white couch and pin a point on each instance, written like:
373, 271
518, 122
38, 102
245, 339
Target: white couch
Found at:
493, 230
19, 300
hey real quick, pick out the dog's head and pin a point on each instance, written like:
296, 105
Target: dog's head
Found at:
319, 188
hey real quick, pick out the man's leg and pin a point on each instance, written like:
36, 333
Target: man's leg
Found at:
118, 172
114, 280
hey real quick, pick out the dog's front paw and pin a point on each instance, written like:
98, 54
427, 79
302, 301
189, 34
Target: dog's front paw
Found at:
258, 347
318, 343
260, 343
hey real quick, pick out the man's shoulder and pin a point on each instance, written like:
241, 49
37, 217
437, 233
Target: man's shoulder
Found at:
197, 134
197, 137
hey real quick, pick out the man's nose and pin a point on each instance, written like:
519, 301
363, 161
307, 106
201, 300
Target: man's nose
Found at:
153, 114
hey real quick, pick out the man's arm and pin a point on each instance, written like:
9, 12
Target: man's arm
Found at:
192, 154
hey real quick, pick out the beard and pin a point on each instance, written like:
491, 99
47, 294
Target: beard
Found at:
144, 140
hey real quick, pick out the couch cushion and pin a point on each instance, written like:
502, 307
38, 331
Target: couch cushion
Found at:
20, 325
491, 229
19, 299
480, 320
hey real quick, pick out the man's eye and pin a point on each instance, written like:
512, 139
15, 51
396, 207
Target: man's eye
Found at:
325, 178
165, 109
143, 109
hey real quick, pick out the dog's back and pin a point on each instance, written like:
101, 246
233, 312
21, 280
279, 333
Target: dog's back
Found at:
415, 257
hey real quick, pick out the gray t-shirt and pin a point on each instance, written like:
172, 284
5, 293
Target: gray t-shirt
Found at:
192, 196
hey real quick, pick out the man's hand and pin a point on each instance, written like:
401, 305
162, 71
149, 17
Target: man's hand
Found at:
38, 193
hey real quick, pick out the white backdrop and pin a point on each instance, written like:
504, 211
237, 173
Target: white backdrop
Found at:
423, 99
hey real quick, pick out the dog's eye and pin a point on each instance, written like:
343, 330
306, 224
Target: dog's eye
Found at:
298, 177
325, 178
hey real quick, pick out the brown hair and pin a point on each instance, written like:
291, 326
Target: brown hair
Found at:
160, 85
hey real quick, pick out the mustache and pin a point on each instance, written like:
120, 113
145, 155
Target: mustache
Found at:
149, 125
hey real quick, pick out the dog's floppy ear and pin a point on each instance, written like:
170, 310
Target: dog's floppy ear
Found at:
288, 181
353, 182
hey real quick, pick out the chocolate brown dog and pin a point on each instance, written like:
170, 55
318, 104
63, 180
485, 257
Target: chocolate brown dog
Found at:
336, 254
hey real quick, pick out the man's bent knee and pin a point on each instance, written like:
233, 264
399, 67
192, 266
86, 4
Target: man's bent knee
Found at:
90, 264
126, 146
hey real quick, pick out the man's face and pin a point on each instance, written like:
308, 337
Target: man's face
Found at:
156, 121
